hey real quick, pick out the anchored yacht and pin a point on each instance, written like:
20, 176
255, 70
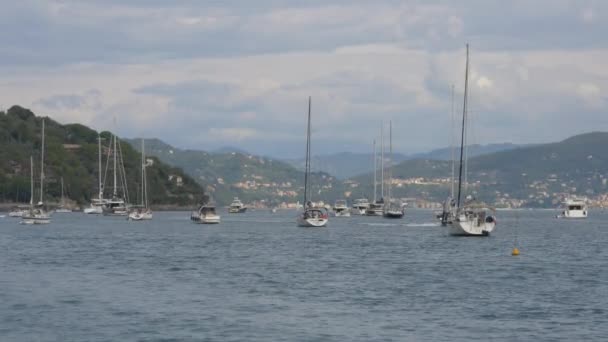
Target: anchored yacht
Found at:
237, 207
360, 206
575, 208
341, 209
206, 214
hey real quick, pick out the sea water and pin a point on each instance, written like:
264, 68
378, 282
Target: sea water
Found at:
258, 277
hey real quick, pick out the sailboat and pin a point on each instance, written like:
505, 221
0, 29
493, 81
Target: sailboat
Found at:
116, 206
311, 216
473, 218
449, 206
375, 208
37, 214
143, 212
98, 203
62, 207
393, 208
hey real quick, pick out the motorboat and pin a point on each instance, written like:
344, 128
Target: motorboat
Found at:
360, 205
574, 208
237, 207
206, 214
341, 209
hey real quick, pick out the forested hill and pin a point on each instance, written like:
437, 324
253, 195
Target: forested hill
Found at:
71, 153
251, 178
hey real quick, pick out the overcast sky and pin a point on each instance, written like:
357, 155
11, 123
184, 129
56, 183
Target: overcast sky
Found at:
206, 74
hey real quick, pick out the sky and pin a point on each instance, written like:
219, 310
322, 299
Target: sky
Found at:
209, 74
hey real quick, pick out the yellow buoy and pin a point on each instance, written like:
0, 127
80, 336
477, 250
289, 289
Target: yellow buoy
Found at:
515, 251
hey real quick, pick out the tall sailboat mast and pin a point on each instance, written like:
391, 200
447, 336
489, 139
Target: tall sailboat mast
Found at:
99, 155
115, 191
382, 161
453, 148
144, 188
307, 167
42, 167
31, 183
390, 163
375, 172
62, 199
464, 116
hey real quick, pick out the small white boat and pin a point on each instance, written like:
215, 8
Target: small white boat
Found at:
115, 207
313, 218
393, 210
575, 208
206, 214
37, 214
360, 206
96, 207
237, 207
341, 209
142, 212
97, 204
62, 207
139, 214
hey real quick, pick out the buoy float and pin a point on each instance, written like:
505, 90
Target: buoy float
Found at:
515, 251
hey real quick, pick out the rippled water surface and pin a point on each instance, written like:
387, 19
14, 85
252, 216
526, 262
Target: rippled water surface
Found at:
257, 277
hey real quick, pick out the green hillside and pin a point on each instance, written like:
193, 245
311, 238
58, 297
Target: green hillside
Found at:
251, 178
71, 153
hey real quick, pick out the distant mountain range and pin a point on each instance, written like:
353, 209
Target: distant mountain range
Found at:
532, 176
503, 174
231, 173
347, 164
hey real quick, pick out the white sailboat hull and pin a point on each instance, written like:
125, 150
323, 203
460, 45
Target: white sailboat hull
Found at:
312, 222
464, 226
134, 216
35, 221
94, 210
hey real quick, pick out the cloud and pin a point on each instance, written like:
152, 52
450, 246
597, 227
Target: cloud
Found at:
209, 74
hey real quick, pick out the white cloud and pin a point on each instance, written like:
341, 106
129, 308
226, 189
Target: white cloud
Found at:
588, 15
202, 73
484, 82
